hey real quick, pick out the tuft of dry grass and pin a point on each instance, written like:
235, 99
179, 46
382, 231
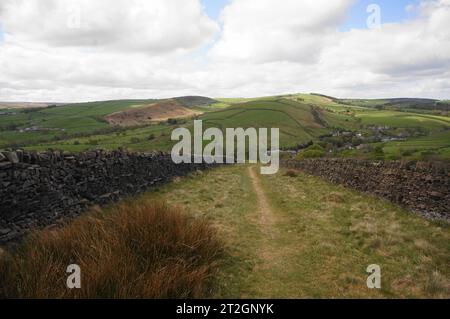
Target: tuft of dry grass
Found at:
142, 249
291, 173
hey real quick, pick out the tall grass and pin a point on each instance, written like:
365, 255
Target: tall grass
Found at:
132, 250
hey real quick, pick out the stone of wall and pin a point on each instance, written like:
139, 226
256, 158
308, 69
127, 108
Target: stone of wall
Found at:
419, 186
42, 189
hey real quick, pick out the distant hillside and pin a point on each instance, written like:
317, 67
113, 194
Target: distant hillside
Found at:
53, 123
298, 122
443, 105
193, 101
156, 112
142, 124
394, 103
25, 105
400, 103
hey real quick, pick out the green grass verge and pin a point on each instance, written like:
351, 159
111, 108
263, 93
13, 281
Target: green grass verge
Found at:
321, 241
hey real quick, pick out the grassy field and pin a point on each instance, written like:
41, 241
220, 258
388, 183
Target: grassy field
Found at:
427, 106
58, 121
289, 237
152, 137
436, 144
296, 120
402, 119
433, 145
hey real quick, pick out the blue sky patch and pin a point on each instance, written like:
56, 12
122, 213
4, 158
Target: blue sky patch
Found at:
214, 7
391, 11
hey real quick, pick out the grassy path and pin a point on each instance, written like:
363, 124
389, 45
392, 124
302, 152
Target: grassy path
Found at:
267, 217
271, 256
301, 237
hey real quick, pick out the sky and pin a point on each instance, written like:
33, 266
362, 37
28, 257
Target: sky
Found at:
392, 11
214, 7
87, 50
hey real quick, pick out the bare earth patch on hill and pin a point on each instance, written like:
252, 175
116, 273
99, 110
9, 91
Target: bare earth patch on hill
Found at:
157, 112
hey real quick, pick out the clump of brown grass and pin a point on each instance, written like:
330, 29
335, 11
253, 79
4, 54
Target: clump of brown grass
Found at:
291, 173
132, 250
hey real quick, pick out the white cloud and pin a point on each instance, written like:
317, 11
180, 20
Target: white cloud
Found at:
399, 58
270, 30
409, 58
265, 47
155, 26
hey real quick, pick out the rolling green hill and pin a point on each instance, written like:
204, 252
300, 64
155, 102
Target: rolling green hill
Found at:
301, 118
298, 122
427, 104
28, 126
195, 101
393, 104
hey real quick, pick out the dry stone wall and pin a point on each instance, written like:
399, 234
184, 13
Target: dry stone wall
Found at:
419, 186
42, 189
